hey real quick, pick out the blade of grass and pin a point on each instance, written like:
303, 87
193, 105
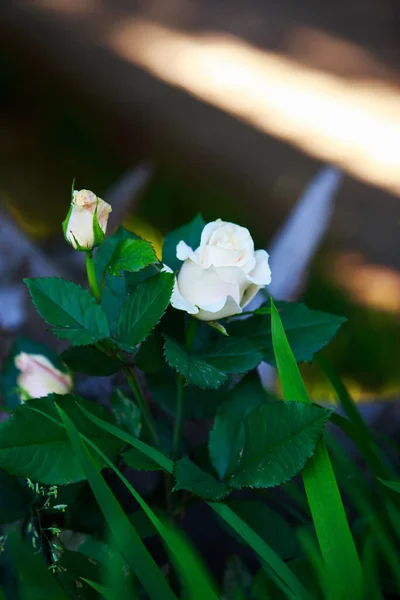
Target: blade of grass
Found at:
125, 536
285, 575
363, 436
370, 568
357, 490
190, 566
243, 530
105, 592
311, 550
334, 537
155, 455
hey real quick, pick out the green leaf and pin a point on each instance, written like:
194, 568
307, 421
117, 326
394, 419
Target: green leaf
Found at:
279, 439
189, 233
191, 478
126, 413
33, 446
199, 404
143, 310
9, 375
126, 538
208, 366
69, 309
232, 355
113, 289
307, 330
15, 500
131, 255
104, 253
393, 485
35, 581
226, 438
89, 360
269, 524
334, 536
139, 461
195, 370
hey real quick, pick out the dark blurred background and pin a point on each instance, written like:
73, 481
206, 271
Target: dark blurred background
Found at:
232, 107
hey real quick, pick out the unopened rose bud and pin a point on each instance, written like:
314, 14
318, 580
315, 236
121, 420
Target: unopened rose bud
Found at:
221, 276
86, 222
38, 377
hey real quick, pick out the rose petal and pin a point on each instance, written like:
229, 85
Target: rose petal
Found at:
103, 212
80, 226
179, 302
229, 308
222, 257
209, 230
201, 287
183, 252
249, 294
261, 274
233, 275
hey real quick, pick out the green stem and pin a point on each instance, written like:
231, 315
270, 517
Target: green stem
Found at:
141, 401
179, 416
91, 275
189, 339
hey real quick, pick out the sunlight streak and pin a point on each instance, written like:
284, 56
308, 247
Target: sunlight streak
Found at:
350, 123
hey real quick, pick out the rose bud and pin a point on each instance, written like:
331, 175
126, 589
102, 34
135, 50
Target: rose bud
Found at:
86, 222
39, 377
222, 275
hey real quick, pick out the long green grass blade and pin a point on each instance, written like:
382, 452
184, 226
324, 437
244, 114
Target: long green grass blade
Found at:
370, 568
312, 552
104, 592
334, 537
286, 576
155, 455
125, 536
357, 489
363, 436
197, 580
264, 551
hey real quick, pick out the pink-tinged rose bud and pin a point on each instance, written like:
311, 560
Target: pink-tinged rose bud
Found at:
86, 223
222, 275
38, 377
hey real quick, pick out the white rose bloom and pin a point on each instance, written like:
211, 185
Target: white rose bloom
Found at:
86, 222
39, 377
222, 275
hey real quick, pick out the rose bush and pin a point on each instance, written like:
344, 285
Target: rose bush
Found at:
183, 400
86, 222
222, 275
